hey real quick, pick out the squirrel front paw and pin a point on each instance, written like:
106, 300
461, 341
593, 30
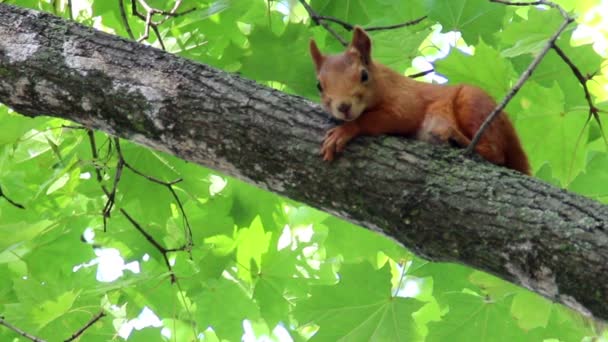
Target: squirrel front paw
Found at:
336, 139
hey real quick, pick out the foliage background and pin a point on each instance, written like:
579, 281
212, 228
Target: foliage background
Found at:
261, 266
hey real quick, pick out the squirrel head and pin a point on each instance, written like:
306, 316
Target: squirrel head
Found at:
346, 80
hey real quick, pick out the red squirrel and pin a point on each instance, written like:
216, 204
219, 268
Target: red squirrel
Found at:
372, 99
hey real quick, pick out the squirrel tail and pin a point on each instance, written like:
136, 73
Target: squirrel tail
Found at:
516, 158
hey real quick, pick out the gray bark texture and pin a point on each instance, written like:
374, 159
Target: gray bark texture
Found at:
435, 202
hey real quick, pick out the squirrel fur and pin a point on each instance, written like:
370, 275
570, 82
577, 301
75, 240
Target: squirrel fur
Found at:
372, 99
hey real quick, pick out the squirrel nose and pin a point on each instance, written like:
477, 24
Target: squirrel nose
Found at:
344, 107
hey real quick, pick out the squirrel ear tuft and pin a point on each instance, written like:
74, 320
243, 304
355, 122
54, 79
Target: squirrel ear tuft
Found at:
363, 44
317, 56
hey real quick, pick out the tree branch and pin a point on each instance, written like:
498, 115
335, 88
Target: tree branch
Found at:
519, 228
80, 331
19, 331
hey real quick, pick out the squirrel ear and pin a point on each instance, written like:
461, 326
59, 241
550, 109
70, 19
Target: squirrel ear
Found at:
317, 57
363, 44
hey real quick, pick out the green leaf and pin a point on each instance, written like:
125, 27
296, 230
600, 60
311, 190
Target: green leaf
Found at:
493, 286
293, 65
278, 283
359, 311
252, 243
494, 78
593, 182
397, 48
564, 325
560, 144
58, 184
475, 19
355, 245
486, 318
531, 35
447, 278
531, 310
224, 305
14, 126
50, 310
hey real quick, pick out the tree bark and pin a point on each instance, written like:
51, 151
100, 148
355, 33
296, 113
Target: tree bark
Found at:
435, 202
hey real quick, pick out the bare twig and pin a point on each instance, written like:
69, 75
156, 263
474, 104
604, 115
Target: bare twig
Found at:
2, 194
323, 19
155, 243
107, 209
95, 156
394, 26
149, 16
422, 73
125, 21
168, 185
561, 10
80, 331
315, 18
19, 331
147, 28
593, 110
350, 27
159, 37
526, 74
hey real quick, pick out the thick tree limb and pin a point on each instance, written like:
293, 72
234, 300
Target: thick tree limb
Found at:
432, 200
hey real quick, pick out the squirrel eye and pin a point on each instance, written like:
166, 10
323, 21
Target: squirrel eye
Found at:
364, 75
319, 86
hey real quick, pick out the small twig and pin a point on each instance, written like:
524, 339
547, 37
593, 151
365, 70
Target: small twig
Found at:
158, 37
155, 243
349, 27
80, 331
315, 18
147, 28
19, 331
534, 3
148, 237
2, 194
168, 185
526, 74
134, 10
148, 18
125, 21
422, 73
322, 19
593, 110
394, 26
187, 228
95, 156
136, 171
112, 195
